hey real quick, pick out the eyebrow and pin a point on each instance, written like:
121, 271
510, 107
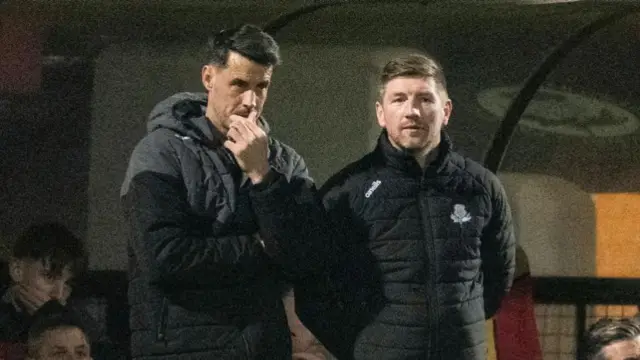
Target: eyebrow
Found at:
239, 81
421, 93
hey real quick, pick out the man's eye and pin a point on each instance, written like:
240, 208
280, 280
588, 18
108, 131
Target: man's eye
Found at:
49, 276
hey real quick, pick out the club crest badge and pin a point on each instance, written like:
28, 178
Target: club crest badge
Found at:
460, 214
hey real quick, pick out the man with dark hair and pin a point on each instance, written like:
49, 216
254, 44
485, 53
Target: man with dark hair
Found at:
613, 339
426, 238
57, 333
44, 260
206, 195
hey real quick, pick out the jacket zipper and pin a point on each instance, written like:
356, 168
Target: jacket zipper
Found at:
161, 331
431, 275
246, 347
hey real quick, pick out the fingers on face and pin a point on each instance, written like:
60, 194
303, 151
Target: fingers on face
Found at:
253, 116
234, 134
246, 129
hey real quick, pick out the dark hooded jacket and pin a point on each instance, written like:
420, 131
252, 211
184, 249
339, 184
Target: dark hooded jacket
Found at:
201, 284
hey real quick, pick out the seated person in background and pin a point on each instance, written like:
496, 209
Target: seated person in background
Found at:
613, 339
44, 259
57, 333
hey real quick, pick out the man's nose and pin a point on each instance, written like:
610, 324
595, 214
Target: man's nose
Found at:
411, 110
59, 292
249, 99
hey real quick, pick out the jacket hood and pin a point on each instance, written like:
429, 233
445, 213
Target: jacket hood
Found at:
184, 113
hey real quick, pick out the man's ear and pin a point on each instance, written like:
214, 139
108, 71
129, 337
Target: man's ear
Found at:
380, 115
16, 269
208, 76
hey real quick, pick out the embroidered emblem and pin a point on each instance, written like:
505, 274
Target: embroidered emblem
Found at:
183, 138
374, 186
460, 214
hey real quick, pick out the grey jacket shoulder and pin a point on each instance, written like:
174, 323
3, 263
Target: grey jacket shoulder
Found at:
287, 160
158, 151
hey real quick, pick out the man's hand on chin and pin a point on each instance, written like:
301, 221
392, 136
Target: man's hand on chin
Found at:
249, 144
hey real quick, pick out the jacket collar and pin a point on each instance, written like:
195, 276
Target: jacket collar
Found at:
404, 161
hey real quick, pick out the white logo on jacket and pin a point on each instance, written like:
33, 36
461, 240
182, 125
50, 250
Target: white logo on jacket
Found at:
183, 138
374, 186
460, 214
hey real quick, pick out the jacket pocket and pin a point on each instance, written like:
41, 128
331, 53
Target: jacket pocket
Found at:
161, 323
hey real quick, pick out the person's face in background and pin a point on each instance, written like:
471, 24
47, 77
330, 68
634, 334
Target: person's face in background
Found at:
622, 350
34, 283
64, 343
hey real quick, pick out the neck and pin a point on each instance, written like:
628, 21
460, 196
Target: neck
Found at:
214, 120
427, 156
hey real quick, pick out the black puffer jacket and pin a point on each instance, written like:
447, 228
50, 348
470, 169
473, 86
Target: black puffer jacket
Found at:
428, 256
201, 286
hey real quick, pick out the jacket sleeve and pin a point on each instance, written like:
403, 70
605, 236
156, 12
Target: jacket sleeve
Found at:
349, 295
292, 220
170, 243
498, 249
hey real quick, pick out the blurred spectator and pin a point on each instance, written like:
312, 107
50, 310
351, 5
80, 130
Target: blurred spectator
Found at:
44, 261
613, 339
57, 333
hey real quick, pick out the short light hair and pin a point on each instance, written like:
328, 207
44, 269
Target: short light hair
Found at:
413, 65
608, 331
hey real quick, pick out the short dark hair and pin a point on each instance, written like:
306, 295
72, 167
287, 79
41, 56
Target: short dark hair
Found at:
413, 65
247, 40
607, 331
55, 245
51, 316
